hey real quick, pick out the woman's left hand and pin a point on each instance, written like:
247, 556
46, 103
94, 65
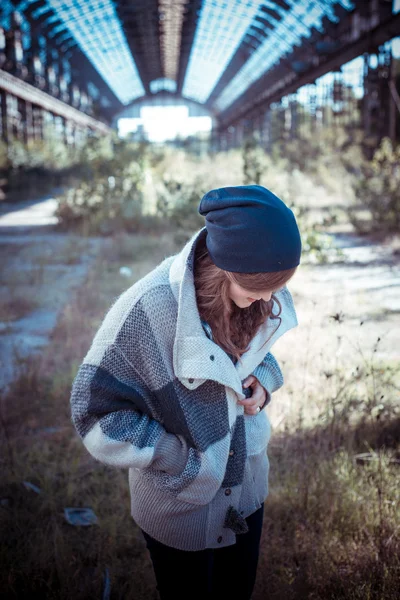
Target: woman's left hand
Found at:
257, 398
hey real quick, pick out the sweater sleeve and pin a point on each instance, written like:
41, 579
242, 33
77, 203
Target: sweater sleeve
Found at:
269, 375
111, 412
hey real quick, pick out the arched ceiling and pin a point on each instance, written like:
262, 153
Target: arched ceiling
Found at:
209, 51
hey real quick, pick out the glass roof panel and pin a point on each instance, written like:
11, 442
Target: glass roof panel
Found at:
219, 32
6, 9
162, 84
304, 15
97, 30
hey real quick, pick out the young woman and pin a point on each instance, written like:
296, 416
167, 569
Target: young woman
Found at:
174, 386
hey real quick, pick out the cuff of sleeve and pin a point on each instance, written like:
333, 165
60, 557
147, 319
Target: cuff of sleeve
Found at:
269, 374
171, 454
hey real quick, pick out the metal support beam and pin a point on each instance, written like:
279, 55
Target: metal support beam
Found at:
188, 32
20, 89
273, 86
5, 134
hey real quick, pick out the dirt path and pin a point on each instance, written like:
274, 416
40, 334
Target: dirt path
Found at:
40, 268
349, 315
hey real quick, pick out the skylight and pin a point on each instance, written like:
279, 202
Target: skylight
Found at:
98, 32
219, 32
295, 24
162, 84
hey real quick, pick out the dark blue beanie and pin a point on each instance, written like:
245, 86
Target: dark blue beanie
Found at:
250, 230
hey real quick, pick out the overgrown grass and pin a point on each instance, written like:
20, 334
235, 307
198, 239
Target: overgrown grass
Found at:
40, 553
16, 306
331, 522
331, 528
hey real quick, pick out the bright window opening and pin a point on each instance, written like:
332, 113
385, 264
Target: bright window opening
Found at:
159, 124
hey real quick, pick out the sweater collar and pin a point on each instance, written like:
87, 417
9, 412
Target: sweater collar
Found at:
197, 358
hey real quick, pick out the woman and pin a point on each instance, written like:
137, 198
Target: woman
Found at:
174, 386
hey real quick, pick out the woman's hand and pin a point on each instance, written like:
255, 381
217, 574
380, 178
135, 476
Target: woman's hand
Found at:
258, 397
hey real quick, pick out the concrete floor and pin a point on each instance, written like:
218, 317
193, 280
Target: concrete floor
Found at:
34, 278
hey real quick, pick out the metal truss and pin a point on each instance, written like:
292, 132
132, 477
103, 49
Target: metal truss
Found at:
24, 91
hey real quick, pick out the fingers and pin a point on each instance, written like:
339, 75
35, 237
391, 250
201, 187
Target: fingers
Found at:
251, 405
252, 410
249, 381
258, 397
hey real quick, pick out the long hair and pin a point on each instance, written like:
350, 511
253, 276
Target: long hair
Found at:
233, 328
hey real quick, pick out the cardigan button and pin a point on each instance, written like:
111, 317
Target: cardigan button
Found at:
212, 357
231, 452
219, 540
228, 492
191, 380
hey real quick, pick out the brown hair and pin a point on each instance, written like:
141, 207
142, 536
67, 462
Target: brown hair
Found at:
233, 328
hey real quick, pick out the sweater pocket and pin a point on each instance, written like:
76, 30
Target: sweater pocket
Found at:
201, 477
258, 432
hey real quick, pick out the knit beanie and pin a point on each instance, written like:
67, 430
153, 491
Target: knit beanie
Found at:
250, 230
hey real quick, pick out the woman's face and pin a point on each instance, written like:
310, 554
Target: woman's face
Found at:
244, 298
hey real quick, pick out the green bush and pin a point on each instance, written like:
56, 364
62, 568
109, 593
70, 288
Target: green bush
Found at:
110, 196
254, 160
332, 157
177, 202
30, 169
378, 191
50, 154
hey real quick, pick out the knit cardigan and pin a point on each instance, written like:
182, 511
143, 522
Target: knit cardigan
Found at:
247, 391
155, 395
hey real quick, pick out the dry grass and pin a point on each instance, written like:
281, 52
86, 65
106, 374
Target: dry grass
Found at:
16, 306
41, 554
331, 522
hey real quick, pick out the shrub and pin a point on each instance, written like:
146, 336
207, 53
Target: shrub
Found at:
109, 197
32, 168
254, 160
378, 191
177, 201
332, 157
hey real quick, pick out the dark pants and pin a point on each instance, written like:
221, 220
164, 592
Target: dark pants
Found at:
210, 574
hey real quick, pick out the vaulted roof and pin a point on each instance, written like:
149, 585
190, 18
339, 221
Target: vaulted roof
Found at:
212, 51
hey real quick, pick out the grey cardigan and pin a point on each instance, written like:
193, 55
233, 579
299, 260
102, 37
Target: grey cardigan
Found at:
157, 396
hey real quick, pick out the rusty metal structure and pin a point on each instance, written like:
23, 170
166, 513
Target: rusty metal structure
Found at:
77, 64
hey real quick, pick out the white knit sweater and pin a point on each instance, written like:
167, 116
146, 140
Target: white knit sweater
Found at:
155, 395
